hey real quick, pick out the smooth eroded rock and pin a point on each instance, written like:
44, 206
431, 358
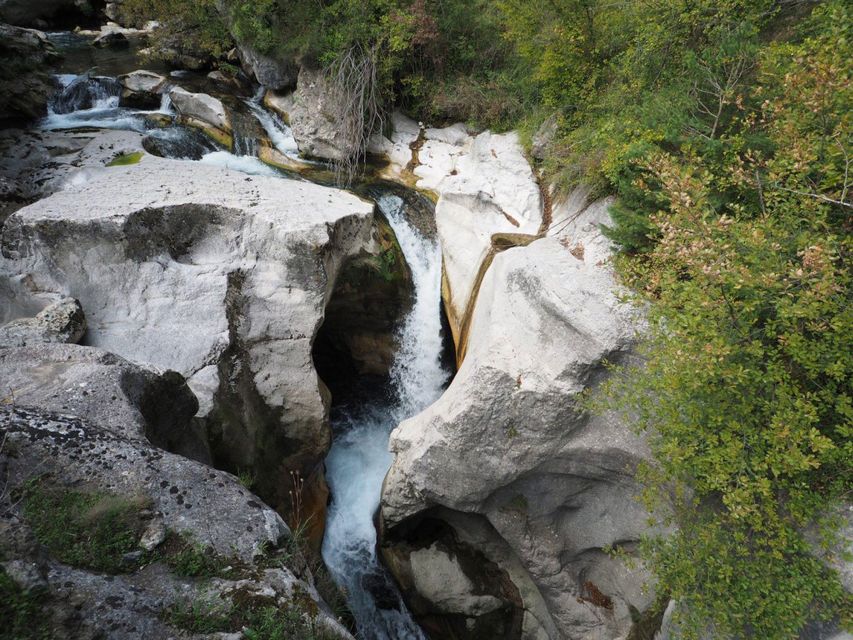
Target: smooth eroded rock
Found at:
203, 111
509, 443
62, 321
220, 276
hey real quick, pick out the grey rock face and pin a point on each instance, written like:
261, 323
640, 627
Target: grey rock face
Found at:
273, 73
544, 137
105, 389
25, 86
312, 114
185, 497
62, 321
217, 275
508, 442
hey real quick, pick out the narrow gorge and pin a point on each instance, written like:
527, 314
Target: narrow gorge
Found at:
265, 378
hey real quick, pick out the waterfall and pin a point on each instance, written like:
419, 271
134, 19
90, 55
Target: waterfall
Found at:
89, 101
279, 133
359, 458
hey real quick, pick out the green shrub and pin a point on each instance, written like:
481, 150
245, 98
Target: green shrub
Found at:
191, 559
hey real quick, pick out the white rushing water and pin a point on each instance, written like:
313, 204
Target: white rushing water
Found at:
279, 133
359, 458
94, 102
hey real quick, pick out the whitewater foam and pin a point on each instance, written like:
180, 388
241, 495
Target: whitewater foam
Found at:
359, 458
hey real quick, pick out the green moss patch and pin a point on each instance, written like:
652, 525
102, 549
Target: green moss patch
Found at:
21, 612
191, 559
89, 529
126, 159
258, 618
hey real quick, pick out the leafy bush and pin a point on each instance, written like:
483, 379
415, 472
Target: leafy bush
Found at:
745, 388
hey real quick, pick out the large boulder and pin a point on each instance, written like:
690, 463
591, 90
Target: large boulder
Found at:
108, 391
173, 512
204, 112
25, 82
314, 113
30, 13
62, 321
142, 89
217, 275
509, 459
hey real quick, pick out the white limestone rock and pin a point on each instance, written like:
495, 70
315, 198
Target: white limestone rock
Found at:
220, 276
508, 443
203, 111
485, 187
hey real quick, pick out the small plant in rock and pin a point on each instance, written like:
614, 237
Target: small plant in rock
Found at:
298, 483
199, 616
257, 619
192, 559
89, 529
21, 612
247, 478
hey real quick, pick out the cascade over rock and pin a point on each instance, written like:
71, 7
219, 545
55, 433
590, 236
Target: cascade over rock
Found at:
507, 456
487, 198
220, 276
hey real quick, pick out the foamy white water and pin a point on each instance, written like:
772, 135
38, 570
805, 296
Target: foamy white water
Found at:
246, 164
359, 458
279, 133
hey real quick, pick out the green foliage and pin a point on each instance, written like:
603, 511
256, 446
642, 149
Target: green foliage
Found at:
745, 387
194, 27
93, 530
191, 559
199, 616
21, 612
258, 619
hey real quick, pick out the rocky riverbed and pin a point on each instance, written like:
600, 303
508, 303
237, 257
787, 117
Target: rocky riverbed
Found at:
192, 313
